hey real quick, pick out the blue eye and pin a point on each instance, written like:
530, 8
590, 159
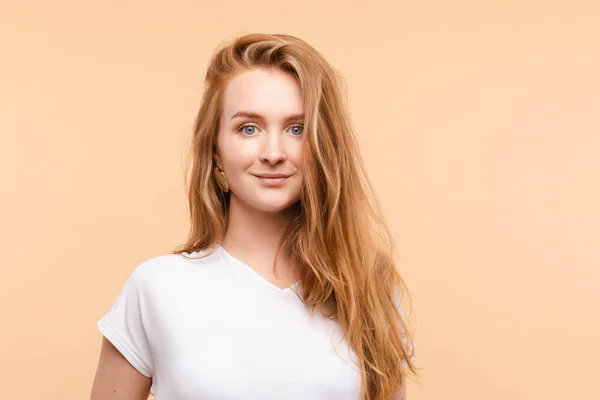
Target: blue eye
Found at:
241, 129
300, 128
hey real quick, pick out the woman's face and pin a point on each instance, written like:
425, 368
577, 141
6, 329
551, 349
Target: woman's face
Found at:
259, 144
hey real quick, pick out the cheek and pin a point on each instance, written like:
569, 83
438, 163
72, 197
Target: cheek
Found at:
295, 154
237, 157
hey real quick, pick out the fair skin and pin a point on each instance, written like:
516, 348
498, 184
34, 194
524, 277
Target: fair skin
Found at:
116, 378
248, 146
260, 133
399, 394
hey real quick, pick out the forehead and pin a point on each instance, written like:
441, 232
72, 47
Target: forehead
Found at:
269, 92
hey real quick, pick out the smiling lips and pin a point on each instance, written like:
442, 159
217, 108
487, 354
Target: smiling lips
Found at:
272, 180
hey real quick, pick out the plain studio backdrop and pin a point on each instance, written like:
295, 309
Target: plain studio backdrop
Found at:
479, 122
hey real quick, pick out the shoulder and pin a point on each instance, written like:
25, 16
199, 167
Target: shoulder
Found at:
165, 269
155, 267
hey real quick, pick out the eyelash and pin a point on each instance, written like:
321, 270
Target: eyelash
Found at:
241, 128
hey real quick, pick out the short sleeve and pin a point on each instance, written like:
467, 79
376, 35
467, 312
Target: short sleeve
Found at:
123, 325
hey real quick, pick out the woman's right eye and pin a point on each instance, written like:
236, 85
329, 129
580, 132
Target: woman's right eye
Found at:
247, 133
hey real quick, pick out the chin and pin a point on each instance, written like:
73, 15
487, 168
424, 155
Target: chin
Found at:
274, 205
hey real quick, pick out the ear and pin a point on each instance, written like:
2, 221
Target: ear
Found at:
217, 160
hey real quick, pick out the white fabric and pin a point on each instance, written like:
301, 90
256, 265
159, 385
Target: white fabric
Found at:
215, 329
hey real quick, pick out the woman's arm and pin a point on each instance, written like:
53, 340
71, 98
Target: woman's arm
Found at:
400, 393
116, 378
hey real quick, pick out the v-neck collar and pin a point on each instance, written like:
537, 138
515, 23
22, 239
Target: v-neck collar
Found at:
227, 256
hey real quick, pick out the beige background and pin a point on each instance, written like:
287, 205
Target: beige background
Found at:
479, 124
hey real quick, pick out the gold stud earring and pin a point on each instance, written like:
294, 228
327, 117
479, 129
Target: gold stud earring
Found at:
221, 179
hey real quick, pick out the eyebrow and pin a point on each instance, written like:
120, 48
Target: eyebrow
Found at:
249, 114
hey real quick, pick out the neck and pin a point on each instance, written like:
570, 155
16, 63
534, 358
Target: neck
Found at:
253, 235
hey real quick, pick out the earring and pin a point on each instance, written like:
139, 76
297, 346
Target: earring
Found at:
221, 179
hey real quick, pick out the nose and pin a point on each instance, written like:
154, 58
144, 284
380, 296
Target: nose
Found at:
272, 151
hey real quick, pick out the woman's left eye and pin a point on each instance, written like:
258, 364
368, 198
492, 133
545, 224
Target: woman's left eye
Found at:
299, 131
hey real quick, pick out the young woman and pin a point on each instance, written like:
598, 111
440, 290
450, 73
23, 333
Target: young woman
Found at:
287, 287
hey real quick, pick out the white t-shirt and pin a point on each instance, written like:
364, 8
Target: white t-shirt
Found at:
215, 329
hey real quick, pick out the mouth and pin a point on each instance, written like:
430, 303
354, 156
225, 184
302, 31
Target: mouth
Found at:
272, 180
